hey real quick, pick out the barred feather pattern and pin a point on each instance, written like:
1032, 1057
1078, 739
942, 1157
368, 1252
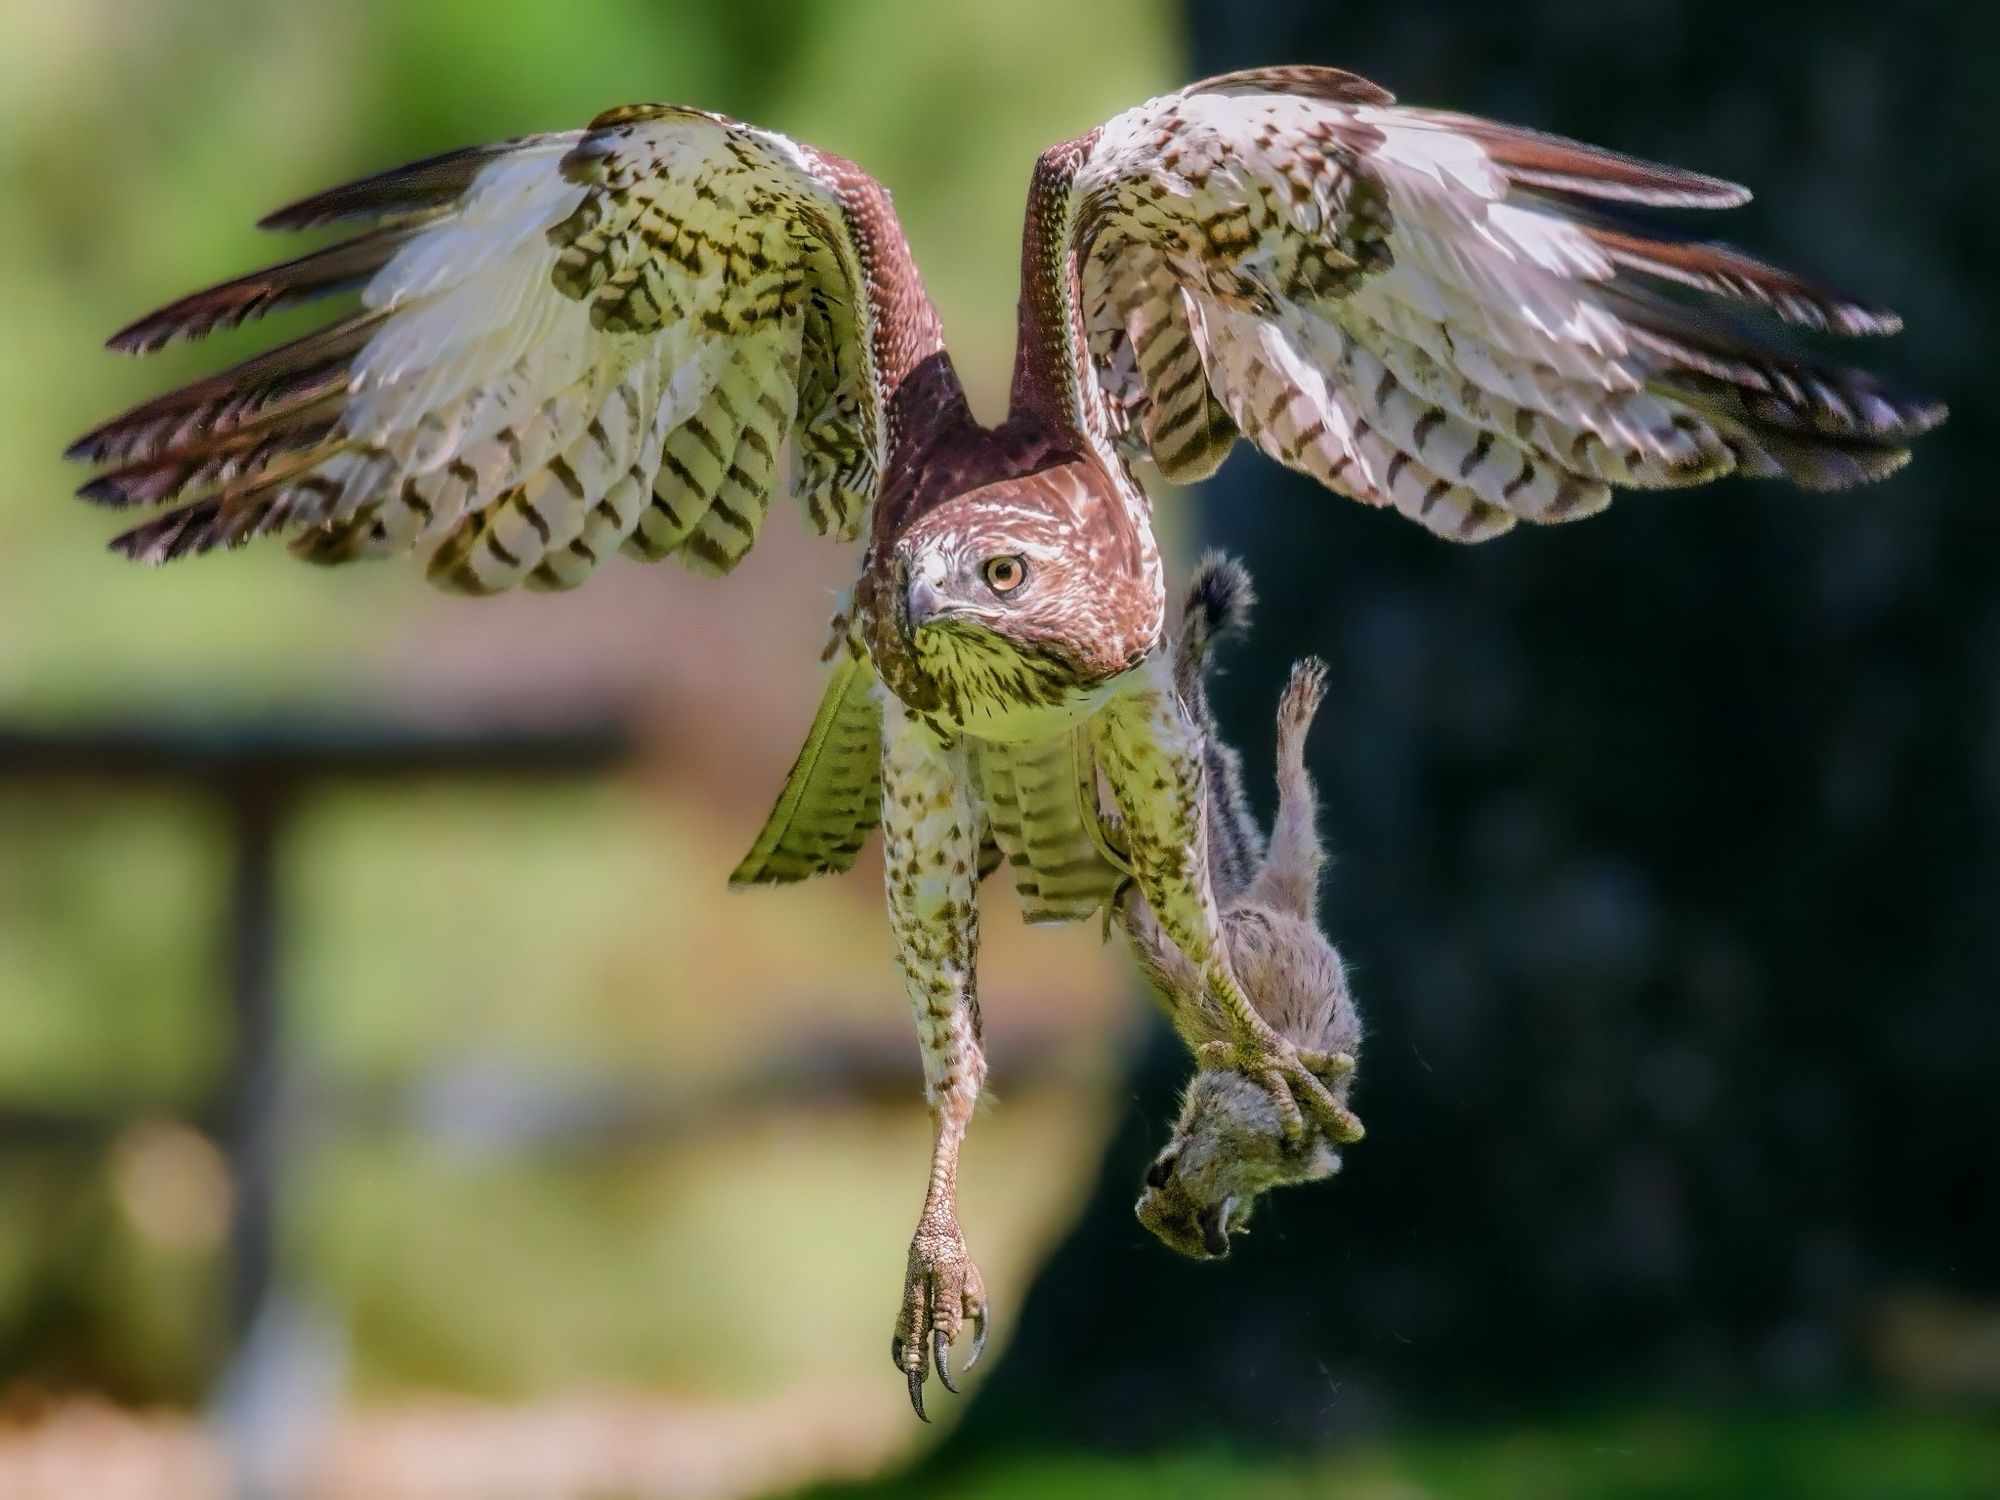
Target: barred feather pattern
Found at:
1143, 343
832, 799
615, 339
1453, 318
1040, 798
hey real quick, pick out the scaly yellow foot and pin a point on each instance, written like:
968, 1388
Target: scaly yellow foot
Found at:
942, 1293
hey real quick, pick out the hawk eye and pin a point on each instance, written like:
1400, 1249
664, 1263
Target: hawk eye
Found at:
1004, 574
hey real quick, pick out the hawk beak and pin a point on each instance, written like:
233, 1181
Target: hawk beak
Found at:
925, 602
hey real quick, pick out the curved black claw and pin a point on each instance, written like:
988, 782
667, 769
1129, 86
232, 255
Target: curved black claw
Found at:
941, 1293
941, 1357
978, 1321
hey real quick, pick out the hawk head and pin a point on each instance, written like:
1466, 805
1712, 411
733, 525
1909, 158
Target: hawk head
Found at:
1015, 605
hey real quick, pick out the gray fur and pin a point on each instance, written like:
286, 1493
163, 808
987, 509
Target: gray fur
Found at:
1229, 1146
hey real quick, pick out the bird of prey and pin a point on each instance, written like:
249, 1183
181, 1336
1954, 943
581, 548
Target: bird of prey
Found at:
626, 338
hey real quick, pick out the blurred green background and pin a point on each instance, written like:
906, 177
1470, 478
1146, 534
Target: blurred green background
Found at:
1667, 863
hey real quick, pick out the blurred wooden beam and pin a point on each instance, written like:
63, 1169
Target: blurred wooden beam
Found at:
302, 751
258, 770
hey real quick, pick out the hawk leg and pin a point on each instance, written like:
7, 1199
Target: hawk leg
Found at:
1150, 752
930, 843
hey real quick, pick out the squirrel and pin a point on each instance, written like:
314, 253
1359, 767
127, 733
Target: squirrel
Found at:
1229, 1145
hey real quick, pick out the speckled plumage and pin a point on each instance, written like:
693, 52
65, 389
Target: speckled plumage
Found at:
620, 338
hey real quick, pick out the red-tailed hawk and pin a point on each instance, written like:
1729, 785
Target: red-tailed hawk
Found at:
626, 338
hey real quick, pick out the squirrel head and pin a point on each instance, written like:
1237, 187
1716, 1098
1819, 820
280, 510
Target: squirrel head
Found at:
1228, 1149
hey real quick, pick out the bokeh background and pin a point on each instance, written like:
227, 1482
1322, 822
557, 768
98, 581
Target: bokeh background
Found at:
373, 1126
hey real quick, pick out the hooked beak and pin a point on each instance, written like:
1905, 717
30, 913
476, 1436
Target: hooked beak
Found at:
924, 601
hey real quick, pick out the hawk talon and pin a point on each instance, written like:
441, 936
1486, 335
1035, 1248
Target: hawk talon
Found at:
1291, 1115
941, 1358
980, 1324
942, 1294
1327, 1065
1292, 1079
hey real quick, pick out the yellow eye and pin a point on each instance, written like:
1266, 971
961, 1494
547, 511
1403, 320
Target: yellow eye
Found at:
1004, 574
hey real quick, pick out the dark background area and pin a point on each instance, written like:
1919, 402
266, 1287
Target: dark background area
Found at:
1665, 844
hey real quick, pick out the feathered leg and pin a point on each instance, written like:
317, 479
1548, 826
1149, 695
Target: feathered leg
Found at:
930, 846
1151, 754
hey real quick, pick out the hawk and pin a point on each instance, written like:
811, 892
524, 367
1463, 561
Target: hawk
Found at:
627, 338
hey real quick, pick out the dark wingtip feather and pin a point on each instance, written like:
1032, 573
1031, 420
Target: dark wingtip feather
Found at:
1554, 163
167, 538
1724, 271
1710, 360
1924, 413
272, 384
88, 449
420, 187
108, 490
1824, 464
221, 521
338, 268
234, 460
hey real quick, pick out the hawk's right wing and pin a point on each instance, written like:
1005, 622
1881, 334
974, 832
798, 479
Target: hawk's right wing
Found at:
832, 797
567, 345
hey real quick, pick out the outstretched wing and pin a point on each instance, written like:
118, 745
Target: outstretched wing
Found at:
567, 345
1457, 318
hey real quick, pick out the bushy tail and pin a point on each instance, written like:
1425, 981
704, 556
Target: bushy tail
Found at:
1217, 603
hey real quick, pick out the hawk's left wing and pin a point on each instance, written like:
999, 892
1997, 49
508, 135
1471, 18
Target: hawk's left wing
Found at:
1453, 317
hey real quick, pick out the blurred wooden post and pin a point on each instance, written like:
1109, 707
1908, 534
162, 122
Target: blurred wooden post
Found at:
259, 774
251, 1117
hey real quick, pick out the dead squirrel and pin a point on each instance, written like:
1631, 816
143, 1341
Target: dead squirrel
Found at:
1229, 1145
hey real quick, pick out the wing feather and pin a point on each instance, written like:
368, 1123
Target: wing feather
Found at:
1455, 318
832, 797
568, 345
